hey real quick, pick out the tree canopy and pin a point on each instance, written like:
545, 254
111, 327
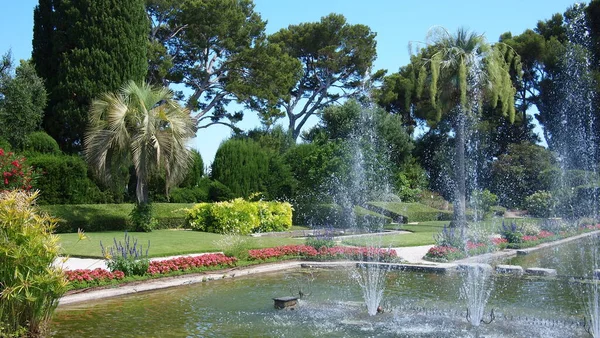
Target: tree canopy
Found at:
336, 58
218, 49
22, 101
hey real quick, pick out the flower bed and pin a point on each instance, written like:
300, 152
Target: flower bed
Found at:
188, 263
336, 252
83, 278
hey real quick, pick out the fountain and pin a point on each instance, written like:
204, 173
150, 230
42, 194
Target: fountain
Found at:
419, 304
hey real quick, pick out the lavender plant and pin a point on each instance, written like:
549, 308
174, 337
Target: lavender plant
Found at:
126, 256
323, 238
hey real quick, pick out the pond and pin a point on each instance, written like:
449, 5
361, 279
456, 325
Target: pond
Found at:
572, 259
415, 304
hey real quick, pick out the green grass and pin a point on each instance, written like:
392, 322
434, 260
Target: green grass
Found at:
162, 242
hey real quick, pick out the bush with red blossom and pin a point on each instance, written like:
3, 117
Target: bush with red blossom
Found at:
336, 252
188, 263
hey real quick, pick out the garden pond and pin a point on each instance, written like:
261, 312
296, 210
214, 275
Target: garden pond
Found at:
415, 305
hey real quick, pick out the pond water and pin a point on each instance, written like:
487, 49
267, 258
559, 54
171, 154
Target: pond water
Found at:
416, 305
574, 259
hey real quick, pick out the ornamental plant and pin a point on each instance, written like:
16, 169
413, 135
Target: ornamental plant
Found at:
30, 286
240, 217
16, 174
126, 256
337, 252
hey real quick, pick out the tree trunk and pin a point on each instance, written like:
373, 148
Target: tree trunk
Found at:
460, 218
141, 191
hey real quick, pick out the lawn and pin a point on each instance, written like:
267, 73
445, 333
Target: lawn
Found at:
162, 242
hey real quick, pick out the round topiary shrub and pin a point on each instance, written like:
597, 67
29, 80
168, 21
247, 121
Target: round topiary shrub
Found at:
41, 142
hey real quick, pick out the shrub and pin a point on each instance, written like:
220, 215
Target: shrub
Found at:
333, 215
240, 217
318, 215
219, 192
140, 218
512, 233
234, 245
64, 180
322, 239
530, 228
448, 237
189, 195
31, 286
274, 216
41, 142
16, 174
128, 257
483, 200
539, 204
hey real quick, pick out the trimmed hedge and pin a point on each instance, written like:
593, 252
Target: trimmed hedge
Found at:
332, 215
410, 212
240, 217
107, 217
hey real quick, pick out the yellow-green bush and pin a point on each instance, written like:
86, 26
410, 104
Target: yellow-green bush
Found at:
240, 217
29, 285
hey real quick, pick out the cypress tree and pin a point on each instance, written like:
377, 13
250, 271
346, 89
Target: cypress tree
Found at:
83, 48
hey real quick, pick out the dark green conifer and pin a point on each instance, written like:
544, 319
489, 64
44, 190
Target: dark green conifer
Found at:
84, 48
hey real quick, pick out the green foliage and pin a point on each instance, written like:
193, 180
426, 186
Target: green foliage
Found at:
40, 142
519, 173
140, 218
448, 237
116, 138
22, 102
334, 216
240, 217
195, 172
219, 192
198, 193
31, 285
322, 239
64, 180
483, 201
247, 168
412, 212
334, 55
82, 49
5, 145
16, 173
512, 232
105, 217
234, 245
127, 256
540, 204
220, 55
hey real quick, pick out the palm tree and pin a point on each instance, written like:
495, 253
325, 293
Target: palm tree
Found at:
142, 125
463, 71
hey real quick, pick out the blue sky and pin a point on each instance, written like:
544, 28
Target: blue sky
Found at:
396, 22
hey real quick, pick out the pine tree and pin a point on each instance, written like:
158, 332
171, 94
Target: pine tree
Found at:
82, 49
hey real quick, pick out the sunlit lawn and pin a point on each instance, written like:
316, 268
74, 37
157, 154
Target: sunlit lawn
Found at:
162, 242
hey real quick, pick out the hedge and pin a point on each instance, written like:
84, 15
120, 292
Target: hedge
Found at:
410, 212
240, 216
108, 217
333, 215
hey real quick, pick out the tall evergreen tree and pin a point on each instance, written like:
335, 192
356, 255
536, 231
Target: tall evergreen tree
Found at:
82, 49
